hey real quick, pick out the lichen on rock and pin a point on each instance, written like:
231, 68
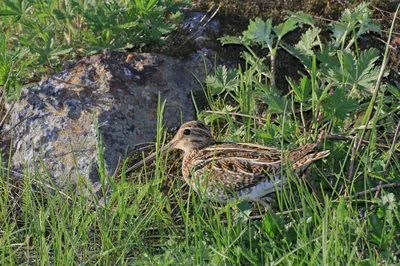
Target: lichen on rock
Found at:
55, 122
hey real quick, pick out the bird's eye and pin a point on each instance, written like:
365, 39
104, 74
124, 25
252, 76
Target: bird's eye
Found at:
186, 132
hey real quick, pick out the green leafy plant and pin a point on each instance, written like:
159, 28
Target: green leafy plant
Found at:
264, 35
336, 81
44, 33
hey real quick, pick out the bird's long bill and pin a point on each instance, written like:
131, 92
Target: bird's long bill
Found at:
151, 157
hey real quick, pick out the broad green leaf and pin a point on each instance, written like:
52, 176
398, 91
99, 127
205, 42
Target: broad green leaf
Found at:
59, 14
5, 13
285, 27
20, 7
349, 67
61, 51
361, 14
395, 91
367, 59
302, 89
338, 105
339, 32
308, 41
356, 20
258, 63
273, 98
303, 18
209, 118
367, 71
305, 59
260, 31
328, 58
231, 40
358, 73
223, 81
377, 226
266, 134
128, 25
369, 26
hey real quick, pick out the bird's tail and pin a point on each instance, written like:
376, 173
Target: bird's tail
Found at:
302, 157
308, 159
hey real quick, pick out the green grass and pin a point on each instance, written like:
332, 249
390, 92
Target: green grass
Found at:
352, 217
141, 223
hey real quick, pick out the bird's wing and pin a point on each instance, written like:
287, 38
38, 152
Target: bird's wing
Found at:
236, 168
240, 165
240, 150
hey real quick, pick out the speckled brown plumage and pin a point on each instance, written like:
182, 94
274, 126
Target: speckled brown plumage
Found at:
229, 170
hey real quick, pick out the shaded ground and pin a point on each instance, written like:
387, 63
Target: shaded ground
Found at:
234, 18
277, 10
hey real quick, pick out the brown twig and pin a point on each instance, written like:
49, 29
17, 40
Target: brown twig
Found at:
203, 26
352, 159
22, 120
375, 189
237, 114
7, 113
378, 191
347, 138
383, 41
381, 10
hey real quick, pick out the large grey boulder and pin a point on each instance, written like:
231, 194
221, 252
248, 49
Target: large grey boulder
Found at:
55, 120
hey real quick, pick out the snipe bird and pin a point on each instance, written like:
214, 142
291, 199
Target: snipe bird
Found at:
234, 170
